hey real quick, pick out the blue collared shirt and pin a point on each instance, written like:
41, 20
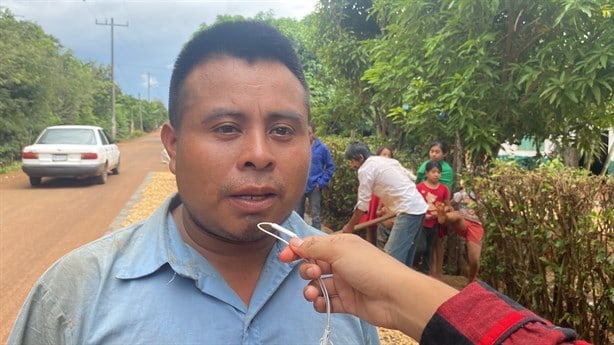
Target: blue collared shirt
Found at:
144, 285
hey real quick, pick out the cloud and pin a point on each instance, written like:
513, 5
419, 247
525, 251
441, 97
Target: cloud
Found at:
155, 31
149, 81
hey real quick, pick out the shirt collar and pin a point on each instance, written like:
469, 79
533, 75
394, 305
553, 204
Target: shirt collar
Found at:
157, 242
148, 248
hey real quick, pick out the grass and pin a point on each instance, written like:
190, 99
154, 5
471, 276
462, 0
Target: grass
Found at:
10, 167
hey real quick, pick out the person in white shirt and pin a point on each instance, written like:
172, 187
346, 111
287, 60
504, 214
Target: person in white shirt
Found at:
388, 179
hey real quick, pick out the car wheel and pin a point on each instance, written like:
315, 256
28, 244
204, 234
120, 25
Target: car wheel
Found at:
102, 178
115, 170
35, 181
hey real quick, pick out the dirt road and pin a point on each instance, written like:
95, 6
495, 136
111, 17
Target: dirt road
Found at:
39, 225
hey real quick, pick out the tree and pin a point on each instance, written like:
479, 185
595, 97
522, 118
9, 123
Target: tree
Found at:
495, 71
341, 30
43, 84
25, 92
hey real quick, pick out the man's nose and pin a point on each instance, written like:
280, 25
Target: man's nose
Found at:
257, 151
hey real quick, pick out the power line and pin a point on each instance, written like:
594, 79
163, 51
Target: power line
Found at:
113, 121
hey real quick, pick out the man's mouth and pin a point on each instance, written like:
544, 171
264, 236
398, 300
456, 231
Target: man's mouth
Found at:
254, 197
253, 203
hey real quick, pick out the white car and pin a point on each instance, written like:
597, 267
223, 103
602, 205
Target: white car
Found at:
70, 151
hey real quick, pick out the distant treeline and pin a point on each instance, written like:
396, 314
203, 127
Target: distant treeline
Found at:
43, 84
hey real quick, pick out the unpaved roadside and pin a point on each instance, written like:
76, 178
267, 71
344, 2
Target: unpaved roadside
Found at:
39, 225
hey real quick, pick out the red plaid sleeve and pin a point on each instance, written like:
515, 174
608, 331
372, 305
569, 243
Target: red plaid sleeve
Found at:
481, 315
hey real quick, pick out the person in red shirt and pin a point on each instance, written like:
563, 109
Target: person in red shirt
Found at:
434, 193
363, 281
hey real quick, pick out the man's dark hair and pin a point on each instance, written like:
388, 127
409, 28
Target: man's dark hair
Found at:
247, 40
356, 150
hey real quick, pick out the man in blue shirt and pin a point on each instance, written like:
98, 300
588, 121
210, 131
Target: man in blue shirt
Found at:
198, 271
321, 171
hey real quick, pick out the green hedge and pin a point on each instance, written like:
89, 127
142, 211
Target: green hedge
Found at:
549, 235
549, 243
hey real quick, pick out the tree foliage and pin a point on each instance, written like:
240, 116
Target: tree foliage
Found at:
43, 84
341, 28
476, 73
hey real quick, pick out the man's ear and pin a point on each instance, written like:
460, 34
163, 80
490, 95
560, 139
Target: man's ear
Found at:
168, 135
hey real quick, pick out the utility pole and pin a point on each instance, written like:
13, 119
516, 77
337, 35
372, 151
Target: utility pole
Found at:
140, 112
148, 87
131, 120
113, 121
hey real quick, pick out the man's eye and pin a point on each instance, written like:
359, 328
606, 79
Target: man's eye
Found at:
282, 131
226, 129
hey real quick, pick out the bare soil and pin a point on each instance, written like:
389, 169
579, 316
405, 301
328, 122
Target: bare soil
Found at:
39, 225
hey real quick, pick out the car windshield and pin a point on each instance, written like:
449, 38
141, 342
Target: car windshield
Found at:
79, 136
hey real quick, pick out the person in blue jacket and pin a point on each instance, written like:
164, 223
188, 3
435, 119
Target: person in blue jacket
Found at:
320, 172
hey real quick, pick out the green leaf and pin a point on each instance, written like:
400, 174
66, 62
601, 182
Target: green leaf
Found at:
571, 95
597, 94
603, 60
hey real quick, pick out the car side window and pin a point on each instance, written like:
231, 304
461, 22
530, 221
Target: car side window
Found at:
103, 138
89, 138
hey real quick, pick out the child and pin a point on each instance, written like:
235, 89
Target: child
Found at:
433, 193
467, 224
438, 151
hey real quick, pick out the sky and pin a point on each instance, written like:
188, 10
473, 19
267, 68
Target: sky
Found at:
155, 32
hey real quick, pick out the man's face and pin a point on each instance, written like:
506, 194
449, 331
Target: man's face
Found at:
241, 155
356, 163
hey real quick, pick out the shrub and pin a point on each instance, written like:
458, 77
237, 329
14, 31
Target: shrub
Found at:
548, 243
